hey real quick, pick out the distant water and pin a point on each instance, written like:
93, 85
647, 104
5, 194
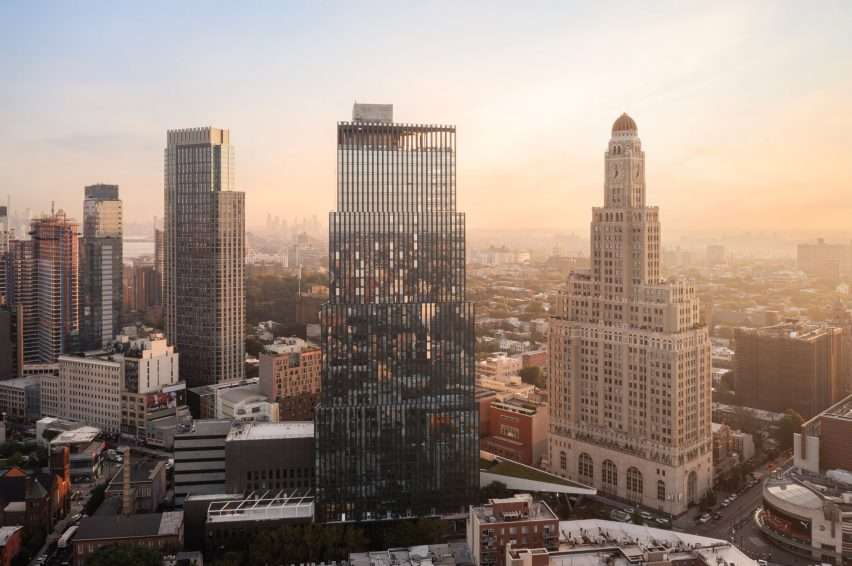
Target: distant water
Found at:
137, 248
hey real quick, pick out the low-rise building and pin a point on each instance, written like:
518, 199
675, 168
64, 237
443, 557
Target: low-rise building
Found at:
517, 429
519, 521
203, 400
290, 374
609, 543
160, 531
20, 399
246, 404
450, 554
86, 451
499, 367
199, 451
148, 483
269, 456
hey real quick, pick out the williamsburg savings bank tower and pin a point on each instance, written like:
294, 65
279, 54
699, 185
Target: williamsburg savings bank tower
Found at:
629, 357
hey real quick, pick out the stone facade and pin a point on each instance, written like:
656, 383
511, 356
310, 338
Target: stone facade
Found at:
629, 380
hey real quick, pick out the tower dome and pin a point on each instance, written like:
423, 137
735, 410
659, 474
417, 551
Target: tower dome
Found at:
624, 125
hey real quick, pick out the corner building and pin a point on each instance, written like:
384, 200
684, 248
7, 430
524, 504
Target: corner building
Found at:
397, 423
629, 358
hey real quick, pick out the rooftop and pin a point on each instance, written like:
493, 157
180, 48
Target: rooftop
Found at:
81, 435
521, 507
452, 554
7, 532
840, 410
795, 330
266, 431
130, 526
21, 382
206, 427
597, 543
263, 506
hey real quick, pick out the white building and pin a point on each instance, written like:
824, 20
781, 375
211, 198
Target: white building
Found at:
629, 382
246, 403
499, 367
88, 390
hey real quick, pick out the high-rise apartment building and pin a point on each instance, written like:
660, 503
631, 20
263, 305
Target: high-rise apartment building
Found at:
397, 420
42, 285
204, 289
290, 375
791, 365
100, 266
629, 375
6, 234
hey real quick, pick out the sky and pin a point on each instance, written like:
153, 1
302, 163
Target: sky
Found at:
744, 109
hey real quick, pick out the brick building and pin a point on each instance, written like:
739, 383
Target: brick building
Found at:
520, 520
290, 374
517, 429
791, 365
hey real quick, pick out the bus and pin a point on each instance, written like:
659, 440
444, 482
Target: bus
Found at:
66, 537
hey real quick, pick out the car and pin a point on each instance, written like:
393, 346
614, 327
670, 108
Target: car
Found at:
725, 503
663, 522
619, 515
645, 515
733, 497
717, 516
704, 518
762, 563
629, 510
76, 517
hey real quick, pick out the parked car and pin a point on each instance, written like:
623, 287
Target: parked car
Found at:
645, 515
619, 515
663, 522
704, 518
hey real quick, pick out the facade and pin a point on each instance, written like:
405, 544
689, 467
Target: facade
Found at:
11, 543
730, 448
519, 521
43, 280
246, 404
290, 374
200, 459
147, 482
791, 365
20, 399
87, 390
499, 367
397, 419
516, 429
204, 272
629, 370
101, 260
204, 401
6, 235
160, 531
85, 451
824, 441
270, 456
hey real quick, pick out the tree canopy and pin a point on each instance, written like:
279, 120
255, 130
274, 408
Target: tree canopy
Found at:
124, 555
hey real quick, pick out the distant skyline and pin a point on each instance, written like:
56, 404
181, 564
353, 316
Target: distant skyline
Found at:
743, 109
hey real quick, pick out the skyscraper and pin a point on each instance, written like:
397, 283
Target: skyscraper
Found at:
6, 234
204, 289
43, 286
100, 266
629, 358
397, 423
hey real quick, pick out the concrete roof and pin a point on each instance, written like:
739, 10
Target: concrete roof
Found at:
264, 431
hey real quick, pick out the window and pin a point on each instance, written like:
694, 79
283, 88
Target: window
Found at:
563, 460
510, 432
609, 476
634, 484
586, 468
661, 490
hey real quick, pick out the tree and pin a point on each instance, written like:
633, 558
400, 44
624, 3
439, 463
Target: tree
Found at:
533, 375
95, 499
790, 424
124, 555
494, 490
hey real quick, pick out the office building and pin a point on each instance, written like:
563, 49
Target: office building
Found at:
629, 369
200, 459
20, 399
204, 272
101, 260
791, 365
824, 441
6, 235
42, 279
87, 390
269, 456
520, 521
397, 419
290, 375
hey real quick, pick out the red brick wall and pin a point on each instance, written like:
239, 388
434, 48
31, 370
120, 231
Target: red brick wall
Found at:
835, 444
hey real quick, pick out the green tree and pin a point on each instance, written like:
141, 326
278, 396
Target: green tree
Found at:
533, 375
124, 555
790, 424
494, 490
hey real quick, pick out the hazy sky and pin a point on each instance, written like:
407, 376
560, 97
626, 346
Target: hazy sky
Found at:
744, 110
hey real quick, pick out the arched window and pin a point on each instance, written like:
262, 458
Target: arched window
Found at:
609, 476
586, 468
563, 460
634, 484
661, 490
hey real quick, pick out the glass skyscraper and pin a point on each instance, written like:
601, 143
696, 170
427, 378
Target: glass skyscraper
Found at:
397, 424
100, 266
204, 271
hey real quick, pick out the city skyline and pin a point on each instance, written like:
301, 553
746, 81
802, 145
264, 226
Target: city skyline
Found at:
770, 154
